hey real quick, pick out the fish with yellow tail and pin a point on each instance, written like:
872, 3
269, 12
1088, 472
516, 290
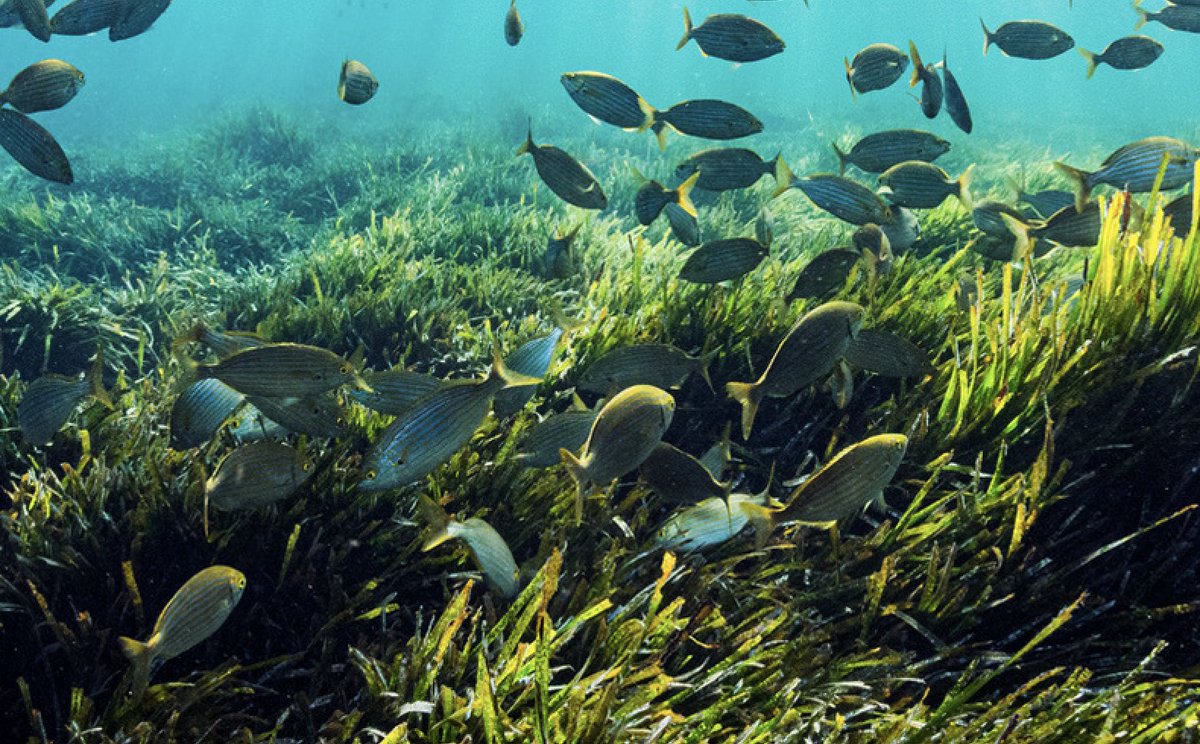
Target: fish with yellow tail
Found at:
488, 549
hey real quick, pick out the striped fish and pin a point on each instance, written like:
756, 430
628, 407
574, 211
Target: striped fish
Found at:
196, 611
902, 230
825, 274
956, 102
920, 185
255, 475
876, 67
568, 430
514, 28
1044, 203
33, 147
532, 359
855, 477
847, 200
1126, 53
137, 18
488, 549
1067, 227
814, 344
84, 17
677, 476
658, 365
711, 119
199, 411
394, 391
723, 260
711, 522
51, 399
252, 426
1027, 39
221, 343
731, 36
34, 18
1134, 167
43, 86
887, 354
877, 152
1177, 16
283, 370
725, 168
430, 432
987, 218
872, 242
684, 225
716, 458
559, 259
319, 416
9, 16
1179, 213
609, 100
931, 88
568, 178
356, 83
625, 431
652, 197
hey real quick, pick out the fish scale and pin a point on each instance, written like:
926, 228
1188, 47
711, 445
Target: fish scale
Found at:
920, 185
886, 354
33, 147
608, 99
567, 430
395, 391
84, 17
723, 260
725, 169
659, 365
877, 152
255, 475
47, 404
200, 410
849, 481
847, 200
531, 358
875, 67
709, 118
139, 15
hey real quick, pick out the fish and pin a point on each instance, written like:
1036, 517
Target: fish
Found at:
559, 260
732, 37
956, 102
1044, 203
250, 425
43, 86
723, 260
875, 67
195, 612
51, 399
887, 354
684, 225
487, 548
709, 118
986, 217
533, 360
876, 249
34, 147
902, 229
677, 476
255, 475
920, 185
394, 391
318, 416
567, 430
200, 410
84, 17
1126, 53
725, 168
877, 152
609, 100
137, 18
657, 365
34, 18
221, 343
716, 458
1135, 167
1177, 16
514, 27
283, 370
626, 430
1067, 227
1179, 213
931, 88
815, 343
824, 274
711, 522
1027, 39
652, 197
845, 199
568, 178
356, 83
436, 427
855, 477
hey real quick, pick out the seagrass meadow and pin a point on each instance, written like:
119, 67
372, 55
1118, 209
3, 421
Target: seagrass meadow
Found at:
1033, 577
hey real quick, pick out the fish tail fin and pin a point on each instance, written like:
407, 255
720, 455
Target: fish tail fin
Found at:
748, 395
557, 312
437, 523
140, 656
706, 359
1017, 185
659, 127
193, 335
527, 146
964, 187
1083, 189
650, 112
850, 78
637, 174
509, 378
783, 176
1143, 16
916, 62
1091, 61
769, 165
95, 378
762, 520
687, 29
683, 194
842, 157
987, 36
578, 472
1022, 238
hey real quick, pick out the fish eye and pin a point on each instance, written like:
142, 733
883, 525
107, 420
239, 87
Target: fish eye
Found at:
399, 462
306, 466
346, 368
318, 376
371, 474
